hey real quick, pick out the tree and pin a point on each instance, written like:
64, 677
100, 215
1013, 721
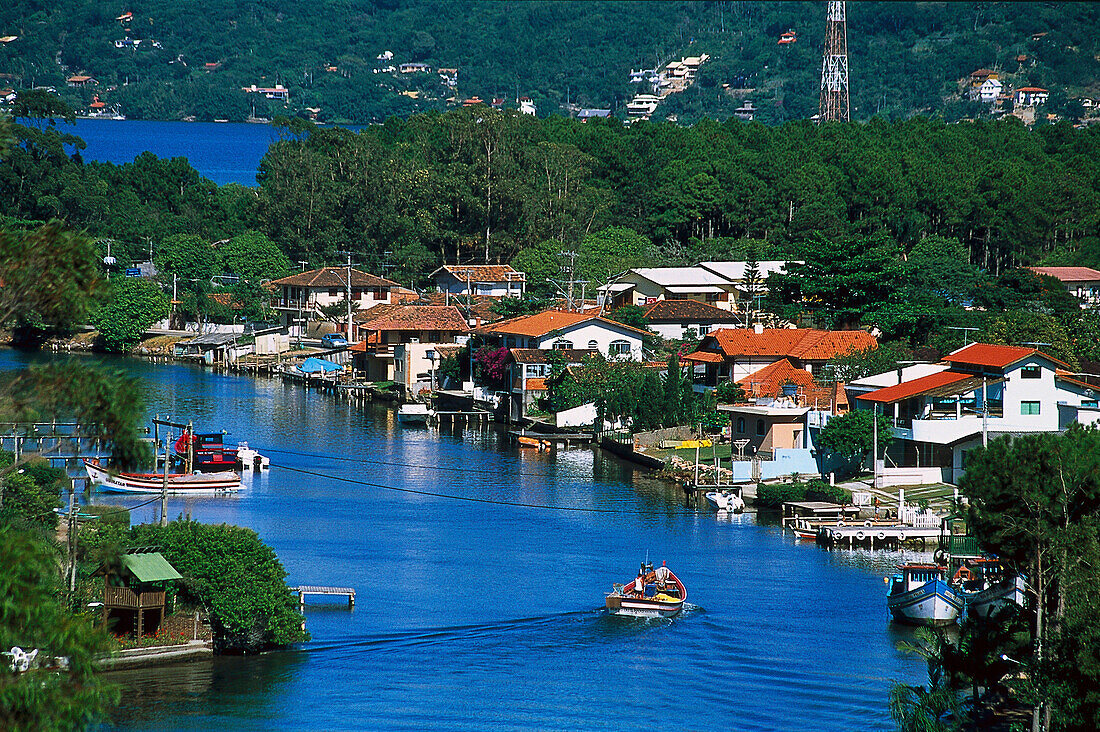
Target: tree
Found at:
48, 276
134, 304
188, 256
253, 256
632, 315
30, 494
851, 436
511, 307
1022, 327
32, 617
234, 574
541, 263
869, 361
609, 252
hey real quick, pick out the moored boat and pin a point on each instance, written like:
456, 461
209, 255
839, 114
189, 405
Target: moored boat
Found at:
986, 586
413, 413
919, 595
652, 594
726, 501
194, 483
206, 452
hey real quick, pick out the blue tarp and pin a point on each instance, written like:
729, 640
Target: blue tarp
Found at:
318, 365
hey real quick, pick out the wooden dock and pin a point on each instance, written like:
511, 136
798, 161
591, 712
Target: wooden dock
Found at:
859, 535
304, 590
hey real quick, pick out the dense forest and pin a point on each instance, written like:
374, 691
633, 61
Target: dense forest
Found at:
906, 58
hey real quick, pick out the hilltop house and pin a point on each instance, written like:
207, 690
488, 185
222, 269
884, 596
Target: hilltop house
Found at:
562, 330
495, 280
671, 318
80, 80
277, 92
1082, 282
394, 340
731, 354
1030, 96
976, 393
988, 92
301, 296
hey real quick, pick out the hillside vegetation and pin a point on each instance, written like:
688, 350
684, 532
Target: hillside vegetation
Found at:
906, 58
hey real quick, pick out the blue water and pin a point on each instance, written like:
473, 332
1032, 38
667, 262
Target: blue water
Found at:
473, 616
223, 152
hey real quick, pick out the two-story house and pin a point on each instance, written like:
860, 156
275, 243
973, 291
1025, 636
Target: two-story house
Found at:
978, 392
1082, 282
398, 342
564, 330
493, 280
300, 297
528, 370
731, 354
672, 318
646, 285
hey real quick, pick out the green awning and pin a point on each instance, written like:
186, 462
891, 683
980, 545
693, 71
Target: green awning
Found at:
150, 567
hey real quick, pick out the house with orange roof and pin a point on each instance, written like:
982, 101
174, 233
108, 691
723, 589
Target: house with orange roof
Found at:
300, 297
565, 330
398, 342
81, 80
974, 394
1030, 96
494, 280
672, 318
731, 354
1082, 282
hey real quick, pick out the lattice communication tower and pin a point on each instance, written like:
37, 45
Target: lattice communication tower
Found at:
835, 106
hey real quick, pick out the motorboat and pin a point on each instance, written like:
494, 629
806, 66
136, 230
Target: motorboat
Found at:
986, 586
413, 413
920, 595
192, 483
726, 501
652, 594
206, 452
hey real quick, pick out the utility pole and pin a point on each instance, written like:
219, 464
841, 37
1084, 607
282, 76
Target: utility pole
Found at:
72, 539
834, 105
571, 269
164, 488
348, 284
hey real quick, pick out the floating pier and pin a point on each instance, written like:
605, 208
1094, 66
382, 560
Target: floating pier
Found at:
875, 535
304, 590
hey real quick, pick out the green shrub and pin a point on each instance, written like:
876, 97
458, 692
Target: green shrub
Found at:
819, 490
774, 495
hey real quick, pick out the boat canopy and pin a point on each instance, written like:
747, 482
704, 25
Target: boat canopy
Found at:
313, 365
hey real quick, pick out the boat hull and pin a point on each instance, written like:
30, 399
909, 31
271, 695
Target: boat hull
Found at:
722, 501
209, 483
632, 601
988, 601
642, 608
933, 603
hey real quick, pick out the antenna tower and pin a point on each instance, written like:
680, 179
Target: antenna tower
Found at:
835, 106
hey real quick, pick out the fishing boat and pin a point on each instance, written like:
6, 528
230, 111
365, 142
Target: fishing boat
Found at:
726, 501
206, 452
986, 586
920, 595
652, 594
193, 483
413, 413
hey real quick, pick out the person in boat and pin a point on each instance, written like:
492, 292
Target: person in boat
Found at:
639, 584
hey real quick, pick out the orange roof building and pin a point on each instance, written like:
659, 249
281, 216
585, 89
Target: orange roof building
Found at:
496, 280
1082, 282
735, 353
561, 329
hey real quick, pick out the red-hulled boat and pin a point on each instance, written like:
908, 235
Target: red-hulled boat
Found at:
652, 594
207, 452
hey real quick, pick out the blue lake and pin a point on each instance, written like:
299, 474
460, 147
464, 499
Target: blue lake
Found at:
223, 152
473, 616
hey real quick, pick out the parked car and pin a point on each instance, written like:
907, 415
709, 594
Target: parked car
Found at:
333, 340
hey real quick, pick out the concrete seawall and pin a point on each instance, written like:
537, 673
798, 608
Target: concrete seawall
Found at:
156, 656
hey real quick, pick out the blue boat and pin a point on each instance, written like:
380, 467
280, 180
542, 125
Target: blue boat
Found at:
920, 595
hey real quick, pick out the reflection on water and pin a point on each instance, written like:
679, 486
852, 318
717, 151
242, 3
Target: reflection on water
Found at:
473, 616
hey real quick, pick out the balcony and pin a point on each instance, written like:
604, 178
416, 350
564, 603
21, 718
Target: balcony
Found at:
125, 598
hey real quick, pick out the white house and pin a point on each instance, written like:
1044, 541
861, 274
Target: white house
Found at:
562, 330
1082, 282
671, 318
300, 297
494, 280
979, 392
646, 285
1030, 96
989, 91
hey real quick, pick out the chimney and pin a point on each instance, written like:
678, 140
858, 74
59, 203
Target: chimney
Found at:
758, 328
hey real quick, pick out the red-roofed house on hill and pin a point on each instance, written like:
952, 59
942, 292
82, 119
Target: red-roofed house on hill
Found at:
495, 280
670, 318
1030, 96
731, 354
980, 389
1082, 282
300, 297
563, 330
397, 342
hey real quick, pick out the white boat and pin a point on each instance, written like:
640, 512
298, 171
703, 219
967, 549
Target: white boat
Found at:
726, 501
652, 594
986, 586
413, 413
919, 595
192, 483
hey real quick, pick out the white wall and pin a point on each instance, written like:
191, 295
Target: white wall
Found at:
675, 331
601, 332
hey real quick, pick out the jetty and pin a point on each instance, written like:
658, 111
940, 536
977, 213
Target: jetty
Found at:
876, 536
304, 590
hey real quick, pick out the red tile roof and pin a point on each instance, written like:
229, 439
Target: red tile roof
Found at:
1069, 274
687, 311
480, 306
800, 343
418, 317
329, 277
916, 387
994, 356
539, 355
482, 272
766, 381
541, 324
703, 357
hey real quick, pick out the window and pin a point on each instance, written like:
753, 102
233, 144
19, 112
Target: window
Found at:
619, 348
537, 370
704, 329
740, 425
562, 345
333, 293
593, 346
1030, 372
760, 427
1088, 403
1029, 407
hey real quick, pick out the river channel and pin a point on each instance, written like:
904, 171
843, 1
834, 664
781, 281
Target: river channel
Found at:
480, 616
